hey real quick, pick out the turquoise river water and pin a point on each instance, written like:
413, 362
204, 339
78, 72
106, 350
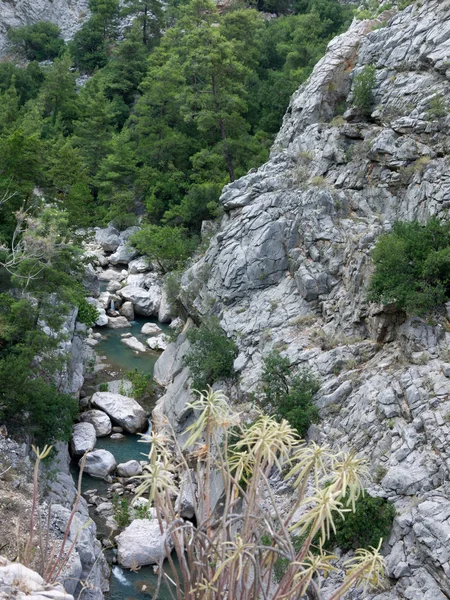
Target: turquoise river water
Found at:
125, 584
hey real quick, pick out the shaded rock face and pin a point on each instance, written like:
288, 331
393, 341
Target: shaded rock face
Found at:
289, 266
67, 14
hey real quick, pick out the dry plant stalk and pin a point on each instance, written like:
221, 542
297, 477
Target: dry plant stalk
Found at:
52, 559
225, 553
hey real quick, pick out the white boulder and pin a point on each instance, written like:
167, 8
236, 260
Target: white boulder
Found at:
150, 329
134, 344
129, 469
100, 421
139, 265
102, 318
158, 343
145, 302
113, 286
166, 310
83, 439
99, 463
108, 239
123, 255
127, 311
122, 410
111, 275
142, 543
118, 322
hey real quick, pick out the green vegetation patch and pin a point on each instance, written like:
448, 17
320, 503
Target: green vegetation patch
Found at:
288, 396
211, 355
412, 266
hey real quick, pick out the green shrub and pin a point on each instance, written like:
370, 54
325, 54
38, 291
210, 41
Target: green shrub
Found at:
103, 387
288, 396
211, 355
121, 511
412, 266
363, 528
363, 89
142, 384
41, 41
87, 313
169, 246
438, 107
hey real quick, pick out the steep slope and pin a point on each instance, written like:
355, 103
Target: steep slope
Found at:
67, 14
289, 266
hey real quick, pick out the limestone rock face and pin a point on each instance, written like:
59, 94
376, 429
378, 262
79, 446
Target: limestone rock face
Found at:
100, 421
289, 267
124, 411
141, 543
100, 463
83, 438
67, 14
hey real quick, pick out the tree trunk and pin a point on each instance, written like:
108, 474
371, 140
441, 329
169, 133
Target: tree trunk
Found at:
223, 132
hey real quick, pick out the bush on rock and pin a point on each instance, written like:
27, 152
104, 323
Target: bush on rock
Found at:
412, 266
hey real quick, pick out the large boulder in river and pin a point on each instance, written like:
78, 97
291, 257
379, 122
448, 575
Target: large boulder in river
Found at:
159, 342
123, 255
139, 265
142, 543
129, 469
145, 302
99, 463
151, 329
118, 322
127, 311
133, 343
124, 411
100, 420
83, 439
108, 239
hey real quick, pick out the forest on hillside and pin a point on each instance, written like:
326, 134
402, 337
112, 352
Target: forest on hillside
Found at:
148, 120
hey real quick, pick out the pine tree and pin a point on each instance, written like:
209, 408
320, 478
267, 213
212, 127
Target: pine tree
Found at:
149, 15
94, 128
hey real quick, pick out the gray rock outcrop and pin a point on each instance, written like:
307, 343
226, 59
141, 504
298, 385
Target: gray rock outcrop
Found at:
67, 14
289, 266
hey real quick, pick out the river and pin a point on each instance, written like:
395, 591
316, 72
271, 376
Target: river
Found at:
124, 584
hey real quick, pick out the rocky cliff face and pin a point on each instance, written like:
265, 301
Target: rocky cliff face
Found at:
67, 14
289, 266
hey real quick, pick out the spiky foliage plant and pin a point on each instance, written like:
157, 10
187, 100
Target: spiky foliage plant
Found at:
225, 552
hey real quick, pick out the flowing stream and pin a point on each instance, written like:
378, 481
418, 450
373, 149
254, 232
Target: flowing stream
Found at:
124, 584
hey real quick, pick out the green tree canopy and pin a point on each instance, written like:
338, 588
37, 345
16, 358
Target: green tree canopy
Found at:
412, 266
